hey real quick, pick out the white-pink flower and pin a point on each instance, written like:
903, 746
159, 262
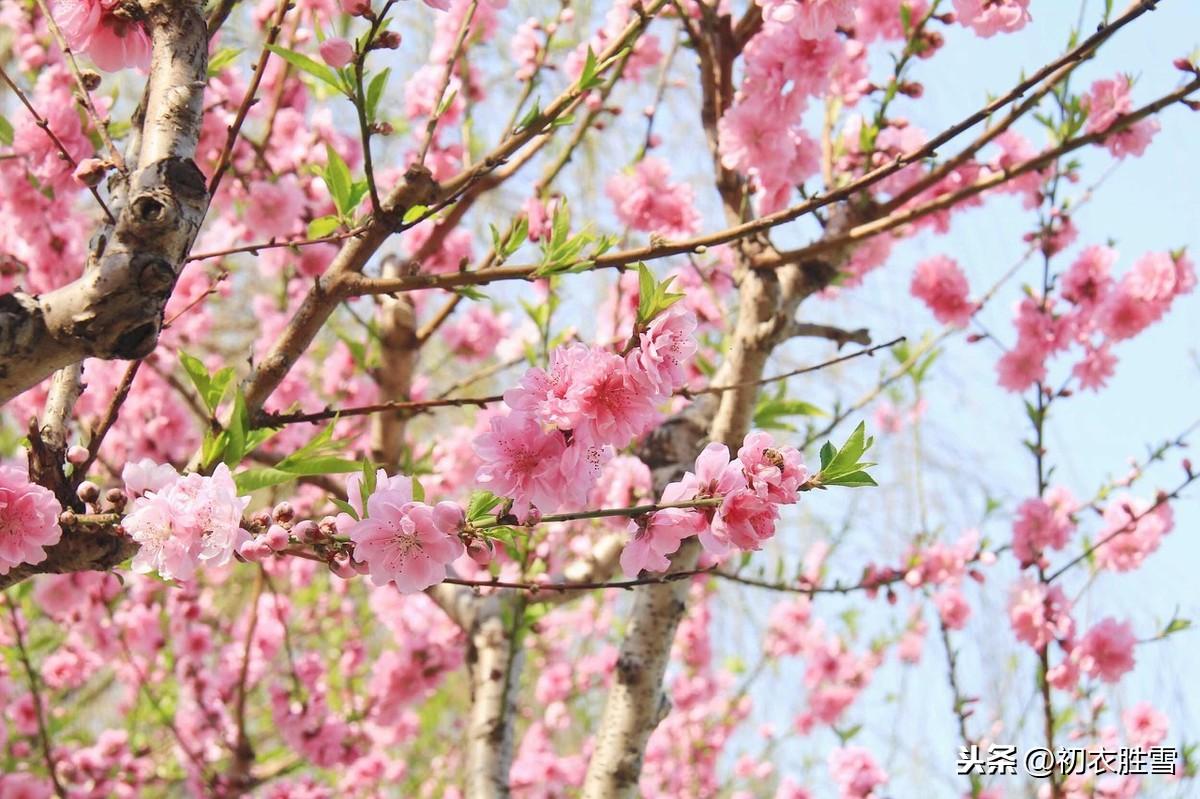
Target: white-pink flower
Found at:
193, 519
101, 29
648, 200
668, 345
28, 519
1106, 651
521, 460
405, 542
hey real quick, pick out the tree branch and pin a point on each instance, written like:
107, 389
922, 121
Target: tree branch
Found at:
115, 309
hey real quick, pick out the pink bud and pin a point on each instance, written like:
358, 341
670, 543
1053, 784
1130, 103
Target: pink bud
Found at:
337, 53
91, 171
276, 538
88, 491
253, 550
77, 455
306, 531
448, 517
284, 512
480, 551
388, 40
356, 8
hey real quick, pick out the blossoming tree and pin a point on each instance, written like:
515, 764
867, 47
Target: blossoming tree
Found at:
394, 408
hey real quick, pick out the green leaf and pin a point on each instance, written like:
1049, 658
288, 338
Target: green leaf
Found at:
414, 213
530, 116
345, 507
211, 388
252, 480
418, 490
470, 293
6, 131
337, 178
322, 226
653, 296
770, 411
827, 453
445, 103
322, 72
588, 78
221, 59
375, 92
842, 466
481, 504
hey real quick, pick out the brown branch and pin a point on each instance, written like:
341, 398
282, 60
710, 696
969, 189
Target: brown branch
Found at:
114, 310
39, 709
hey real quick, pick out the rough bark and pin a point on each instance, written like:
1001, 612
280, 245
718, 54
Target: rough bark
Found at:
495, 659
399, 347
115, 309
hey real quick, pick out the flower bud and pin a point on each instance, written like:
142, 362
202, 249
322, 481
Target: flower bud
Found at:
356, 8
88, 491
116, 497
284, 512
306, 531
449, 517
480, 550
336, 52
388, 40
276, 538
91, 171
90, 79
77, 455
254, 550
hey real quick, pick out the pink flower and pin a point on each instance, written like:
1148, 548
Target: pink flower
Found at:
1042, 525
1039, 614
525, 47
103, 29
1022, 366
716, 476
1096, 367
522, 461
1107, 101
405, 542
273, 209
939, 282
1125, 543
337, 52
952, 607
774, 472
667, 348
989, 17
1088, 280
28, 519
744, 519
613, 405
1106, 651
145, 476
647, 200
19, 785
540, 215
195, 518
815, 19
856, 773
752, 135
880, 19
1144, 725
656, 536
474, 334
